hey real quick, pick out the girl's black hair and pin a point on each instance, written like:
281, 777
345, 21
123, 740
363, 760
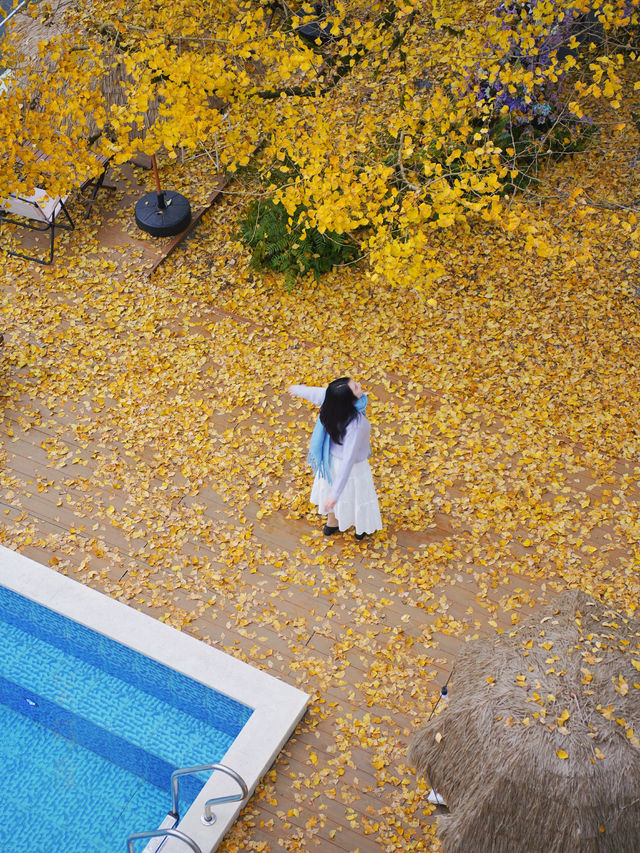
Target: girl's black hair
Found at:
338, 410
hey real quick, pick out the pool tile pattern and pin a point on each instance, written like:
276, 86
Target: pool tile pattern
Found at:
91, 733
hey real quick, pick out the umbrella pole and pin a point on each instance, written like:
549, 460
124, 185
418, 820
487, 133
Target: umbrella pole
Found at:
444, 692
161, 201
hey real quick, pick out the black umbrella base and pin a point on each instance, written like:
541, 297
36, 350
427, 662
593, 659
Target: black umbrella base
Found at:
163, 221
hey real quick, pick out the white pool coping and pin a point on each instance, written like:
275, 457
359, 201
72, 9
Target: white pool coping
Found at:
277, 706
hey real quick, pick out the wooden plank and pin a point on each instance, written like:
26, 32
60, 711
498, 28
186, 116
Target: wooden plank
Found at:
195, 218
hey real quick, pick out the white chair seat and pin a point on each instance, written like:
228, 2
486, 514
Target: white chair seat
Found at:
42, 210
39, 206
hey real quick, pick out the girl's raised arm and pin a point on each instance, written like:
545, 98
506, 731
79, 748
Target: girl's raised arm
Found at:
308, 392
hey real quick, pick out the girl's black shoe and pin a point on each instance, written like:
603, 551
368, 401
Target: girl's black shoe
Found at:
360, 536
329, 531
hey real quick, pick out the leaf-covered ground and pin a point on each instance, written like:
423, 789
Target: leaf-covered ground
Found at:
149, 449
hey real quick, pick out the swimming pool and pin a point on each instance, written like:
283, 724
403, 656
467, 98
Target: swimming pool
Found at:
105, 720
96, 716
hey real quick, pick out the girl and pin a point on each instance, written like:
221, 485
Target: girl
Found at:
343, 486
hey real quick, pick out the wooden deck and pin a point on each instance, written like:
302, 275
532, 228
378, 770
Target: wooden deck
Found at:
115, 232
371, 630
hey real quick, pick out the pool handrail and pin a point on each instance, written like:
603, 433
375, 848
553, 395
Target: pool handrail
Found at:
156, 833
207, 817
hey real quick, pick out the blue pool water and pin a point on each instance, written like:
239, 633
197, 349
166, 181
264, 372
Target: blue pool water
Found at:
90, 732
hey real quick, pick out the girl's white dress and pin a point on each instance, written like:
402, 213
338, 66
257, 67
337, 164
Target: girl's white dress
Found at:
351, 480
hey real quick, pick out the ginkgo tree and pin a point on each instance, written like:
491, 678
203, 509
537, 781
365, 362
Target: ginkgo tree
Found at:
393, 120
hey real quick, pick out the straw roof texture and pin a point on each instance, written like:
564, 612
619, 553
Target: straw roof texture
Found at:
114, 87
539, 748
112, 79
30, 31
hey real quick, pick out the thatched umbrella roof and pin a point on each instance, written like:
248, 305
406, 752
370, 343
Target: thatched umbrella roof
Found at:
114, 86
114, 82
539, 749
30, 31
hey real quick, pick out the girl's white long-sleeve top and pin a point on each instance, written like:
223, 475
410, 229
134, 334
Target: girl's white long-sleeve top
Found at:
356, 443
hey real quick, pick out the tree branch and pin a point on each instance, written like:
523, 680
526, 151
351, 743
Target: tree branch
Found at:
403, 175
611, 205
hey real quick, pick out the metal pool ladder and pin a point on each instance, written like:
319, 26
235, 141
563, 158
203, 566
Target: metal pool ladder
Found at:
208, 817
157, 833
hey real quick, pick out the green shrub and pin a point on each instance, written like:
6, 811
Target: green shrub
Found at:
283, 244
